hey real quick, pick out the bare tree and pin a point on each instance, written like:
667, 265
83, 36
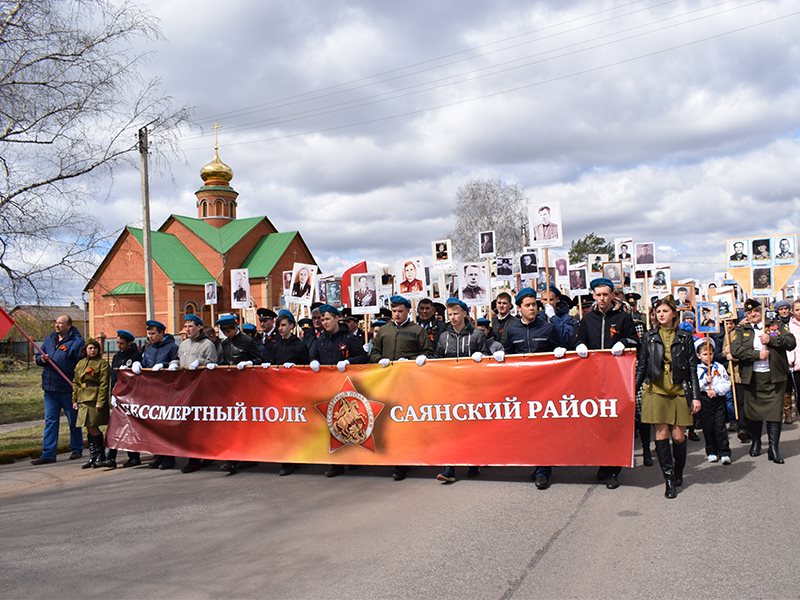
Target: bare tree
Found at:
71, 100
489, 204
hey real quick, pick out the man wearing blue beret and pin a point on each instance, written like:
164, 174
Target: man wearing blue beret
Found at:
606, 326
127, 354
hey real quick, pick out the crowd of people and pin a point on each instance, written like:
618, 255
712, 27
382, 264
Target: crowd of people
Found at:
734, 381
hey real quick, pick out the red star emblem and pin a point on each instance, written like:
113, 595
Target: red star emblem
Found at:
350, 418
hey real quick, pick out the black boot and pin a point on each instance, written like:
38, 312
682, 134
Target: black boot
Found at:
644, 436
664, 453
679, 452
92, 453
101, 451
755, 436
774, 437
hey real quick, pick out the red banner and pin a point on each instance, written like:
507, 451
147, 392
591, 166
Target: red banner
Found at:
529, 410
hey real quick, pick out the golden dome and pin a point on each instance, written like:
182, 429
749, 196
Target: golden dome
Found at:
216, 169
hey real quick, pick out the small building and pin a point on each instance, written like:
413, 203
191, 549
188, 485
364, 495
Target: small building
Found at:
189, 252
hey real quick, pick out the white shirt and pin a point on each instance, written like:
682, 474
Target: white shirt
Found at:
759, 366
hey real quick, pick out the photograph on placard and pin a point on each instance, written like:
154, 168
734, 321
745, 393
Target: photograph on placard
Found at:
644, 255
726, 305
364, 293
785, 250
486, 243
504, 267
474, 284
287, 282
437, 286
442, 253
333, 292
211, 293
762, 281
596, 263
321, 293
545, 224
683, 293
561, 266
409, 275
549, 273
761, 252
528, 263
240, 288
707, 317
304, 281
622, 250
661, 283
450, 284
578, 279
613, 270
738, 253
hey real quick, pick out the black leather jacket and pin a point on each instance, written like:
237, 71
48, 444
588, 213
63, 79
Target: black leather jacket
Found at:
650, 361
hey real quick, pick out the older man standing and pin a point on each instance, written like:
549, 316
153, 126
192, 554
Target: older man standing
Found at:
61, 348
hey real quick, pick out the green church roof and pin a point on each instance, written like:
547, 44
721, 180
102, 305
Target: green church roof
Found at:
222, 238
174, 258
267, 252
129, 288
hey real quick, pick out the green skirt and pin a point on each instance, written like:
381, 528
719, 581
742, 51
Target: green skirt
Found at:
660, 408
764, 400
89, 416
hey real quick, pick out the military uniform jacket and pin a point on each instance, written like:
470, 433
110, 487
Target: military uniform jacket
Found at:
780, 341
91, 382
394, 341
650, 361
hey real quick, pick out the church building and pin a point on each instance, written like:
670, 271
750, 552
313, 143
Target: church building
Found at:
189, 252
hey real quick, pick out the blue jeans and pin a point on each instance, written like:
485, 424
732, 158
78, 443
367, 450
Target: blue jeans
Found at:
54, 403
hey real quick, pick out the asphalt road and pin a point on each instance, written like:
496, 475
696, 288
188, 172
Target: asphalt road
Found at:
138, 533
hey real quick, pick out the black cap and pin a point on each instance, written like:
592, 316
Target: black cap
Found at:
265, 313
751, 304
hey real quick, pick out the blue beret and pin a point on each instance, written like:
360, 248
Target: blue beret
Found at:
125, 335
601, 281
524, 293
378, 323
456, 302
249, 328
226, 320
306, 323
483, 321
397, 300
327, 308
194, 319
157, 324
286, 313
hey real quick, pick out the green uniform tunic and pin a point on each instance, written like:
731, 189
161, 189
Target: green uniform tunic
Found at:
662, 400
90, 388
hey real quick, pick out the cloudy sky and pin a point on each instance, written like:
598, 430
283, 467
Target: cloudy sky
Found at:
355, 122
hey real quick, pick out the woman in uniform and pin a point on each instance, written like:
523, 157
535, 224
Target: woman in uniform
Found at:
90, 389
666, 372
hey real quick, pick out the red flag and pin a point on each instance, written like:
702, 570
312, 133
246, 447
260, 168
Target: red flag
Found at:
6, 323
359, 268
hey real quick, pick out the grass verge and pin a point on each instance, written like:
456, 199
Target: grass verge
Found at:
27, 443
21, 396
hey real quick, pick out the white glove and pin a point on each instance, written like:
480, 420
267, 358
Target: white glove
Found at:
244, 363
402, 359
549, 311
266, 365
421, 360
582, 350
288, 365
157, 367
499, 356
136, 368
113, 401
123, 367
617, 349
211, 366
559, 352
172, 367
477, 356
384, 362
314, 366
366, 347
342, 365
194, 364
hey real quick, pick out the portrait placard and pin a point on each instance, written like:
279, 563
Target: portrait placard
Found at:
333, 292
596, 263
644, 255
684, 295
726, 305
442, 254
785, 250
761, 252
287, 282
762, 281
578, 279
613, 270
622, 250
738, 253
707, 317
661, 283
545, 224
486, 243
504, 267
304, 282
211, 293
474, 284
364, 293
528, 263
409, 275
240, 288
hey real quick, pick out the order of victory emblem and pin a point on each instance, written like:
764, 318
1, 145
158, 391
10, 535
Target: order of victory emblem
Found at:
350, 417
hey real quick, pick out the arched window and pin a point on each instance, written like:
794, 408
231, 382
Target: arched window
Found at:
218, 205
190, 308
205, 208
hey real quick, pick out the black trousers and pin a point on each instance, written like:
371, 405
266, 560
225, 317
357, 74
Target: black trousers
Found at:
712, 417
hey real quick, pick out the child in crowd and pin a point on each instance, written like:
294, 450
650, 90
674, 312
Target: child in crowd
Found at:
713, 401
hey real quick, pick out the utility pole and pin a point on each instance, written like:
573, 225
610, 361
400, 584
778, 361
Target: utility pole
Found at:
148, 247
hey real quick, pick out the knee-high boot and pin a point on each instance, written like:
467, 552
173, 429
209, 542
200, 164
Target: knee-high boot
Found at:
101, 451
664, 453
774, 437
679, 454
787, 410
89, 464
755, 436
644, 436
